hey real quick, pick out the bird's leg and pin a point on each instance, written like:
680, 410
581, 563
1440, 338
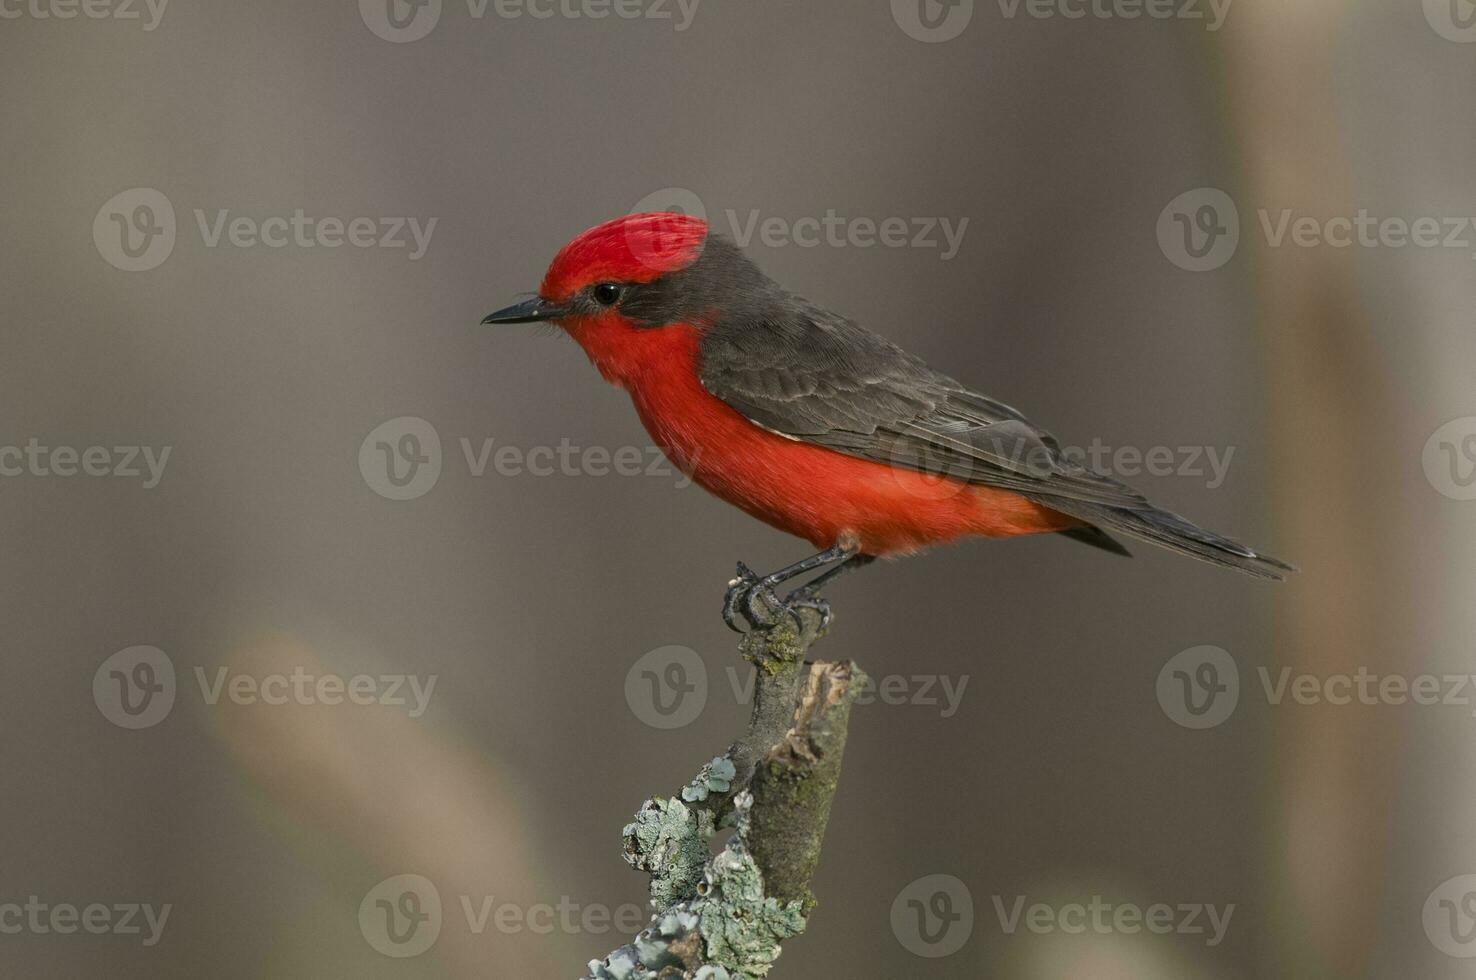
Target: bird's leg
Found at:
754, 595
811, 589
807, 596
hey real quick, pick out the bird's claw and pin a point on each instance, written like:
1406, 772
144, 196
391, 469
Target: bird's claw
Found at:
738, 588
755, 599
761, 606
802, 599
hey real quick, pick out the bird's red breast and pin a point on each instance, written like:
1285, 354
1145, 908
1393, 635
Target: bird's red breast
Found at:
809, 491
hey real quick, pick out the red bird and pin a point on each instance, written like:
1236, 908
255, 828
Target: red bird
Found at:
817, 426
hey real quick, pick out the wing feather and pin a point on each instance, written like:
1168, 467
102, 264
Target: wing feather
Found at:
817, 377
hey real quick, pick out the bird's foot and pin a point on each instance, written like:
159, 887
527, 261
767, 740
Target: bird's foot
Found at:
755, 599
808, 597
738, 588
803, 599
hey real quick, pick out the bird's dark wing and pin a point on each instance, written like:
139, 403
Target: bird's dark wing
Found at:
817, 377
810, 375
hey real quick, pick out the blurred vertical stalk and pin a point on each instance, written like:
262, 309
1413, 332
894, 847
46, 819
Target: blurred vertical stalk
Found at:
1331, 440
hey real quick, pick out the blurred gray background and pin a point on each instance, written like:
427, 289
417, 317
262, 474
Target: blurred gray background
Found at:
1060, 776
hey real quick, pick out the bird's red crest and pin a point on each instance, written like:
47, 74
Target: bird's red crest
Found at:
633, 248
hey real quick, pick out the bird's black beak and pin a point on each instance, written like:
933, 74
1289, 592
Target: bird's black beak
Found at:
528, 311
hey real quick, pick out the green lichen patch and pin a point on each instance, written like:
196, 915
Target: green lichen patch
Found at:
774, 649
742, 927
652, 952
711, 972
669, 841
623, 964
715, 777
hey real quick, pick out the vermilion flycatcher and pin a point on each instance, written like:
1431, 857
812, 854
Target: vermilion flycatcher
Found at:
817, 426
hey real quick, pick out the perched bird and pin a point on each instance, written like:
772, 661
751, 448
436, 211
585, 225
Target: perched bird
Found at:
818, 426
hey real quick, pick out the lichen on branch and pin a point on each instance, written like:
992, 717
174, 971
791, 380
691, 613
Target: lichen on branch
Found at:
724, 916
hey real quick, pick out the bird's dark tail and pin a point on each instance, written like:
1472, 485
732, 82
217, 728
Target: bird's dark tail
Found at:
1168, 531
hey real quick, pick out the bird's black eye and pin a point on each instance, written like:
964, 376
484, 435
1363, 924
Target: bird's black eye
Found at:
607, 294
